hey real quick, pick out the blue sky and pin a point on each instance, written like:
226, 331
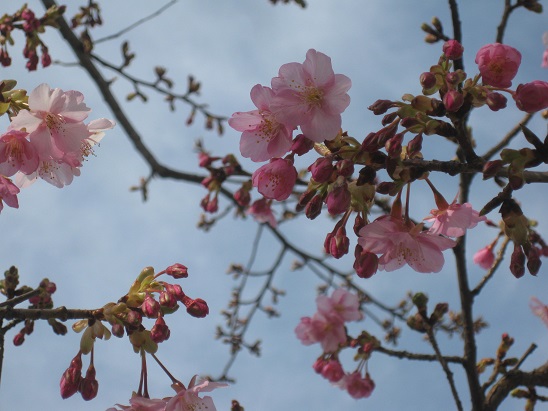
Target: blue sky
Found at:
93, 237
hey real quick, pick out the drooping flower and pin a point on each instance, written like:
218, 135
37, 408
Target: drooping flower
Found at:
329, 332
312, 96
263, 136
262, 212
357, 386
539, 309
498, 64
403, 243
342, 306
8, 193
276, 179
532, 97
138, 403
454, 220
332, 370
17, 153
187, 399
485, 257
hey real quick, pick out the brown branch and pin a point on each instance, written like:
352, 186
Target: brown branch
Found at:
417, 357
508, 9
513, 379
60, 313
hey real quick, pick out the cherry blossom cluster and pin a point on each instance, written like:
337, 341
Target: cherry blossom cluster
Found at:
327, 327
25, 20
47, 138
148, 297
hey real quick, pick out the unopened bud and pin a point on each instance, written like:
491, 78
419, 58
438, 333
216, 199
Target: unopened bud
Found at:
177, 271
314, 207
89, 386
533, 260
381, 106
197, 308
160, 331
517, 262
70, 382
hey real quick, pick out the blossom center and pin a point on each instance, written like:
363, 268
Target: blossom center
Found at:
313, 96
54, 122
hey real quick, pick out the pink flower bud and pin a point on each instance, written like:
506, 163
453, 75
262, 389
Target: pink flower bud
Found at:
242, 197
453, 100
301, 145
533, 260
345, 167
357, 386
150, 307
338, 199
318, 365
19, 339
427, 80
453, 49
167, 300
498, 64
314, 207
70, 382
117, 330
532, 97
496, 101
177, 271
134, 319
197, 308
366, 263
380, 106
321, 169
89, 386
337, 243
517, 262
160, 331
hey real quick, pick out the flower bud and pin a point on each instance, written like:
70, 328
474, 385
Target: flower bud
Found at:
338, 199
197, 308
381, 106
366, 263
117, 330
453, 50
314, 207
427, 80
345, 167
167, 300
517, 262
533, 260
496, 101
321, 169
332, 371
301, 145
177, 271
19, 339
70, 382
337, 243
491, 168
160, 331
453, 100
89, 386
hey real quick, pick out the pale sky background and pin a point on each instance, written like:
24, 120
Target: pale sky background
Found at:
93, 237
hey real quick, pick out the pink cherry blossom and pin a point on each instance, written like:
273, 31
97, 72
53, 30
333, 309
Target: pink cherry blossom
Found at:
357, 386
498, 64
17, 153
138, 403
342, 306
188, 399
454, 220
62, 171
8, 193
276, 179
401, 243
539, 309
485, 257
262, 212
532, 97
332, 370
453, 49
263, 137
329, 332
54, 121
312, 96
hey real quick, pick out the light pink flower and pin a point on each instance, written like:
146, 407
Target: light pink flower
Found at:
342, 306
485, 257
262, 213
138, 403
539, 309
54, 121
62, 171
188, 399
401, 243
8, 193
532, 97
312, 96
357, 386
276, 179
454, 220
17, 153
498, 64
329, 332
263, 137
